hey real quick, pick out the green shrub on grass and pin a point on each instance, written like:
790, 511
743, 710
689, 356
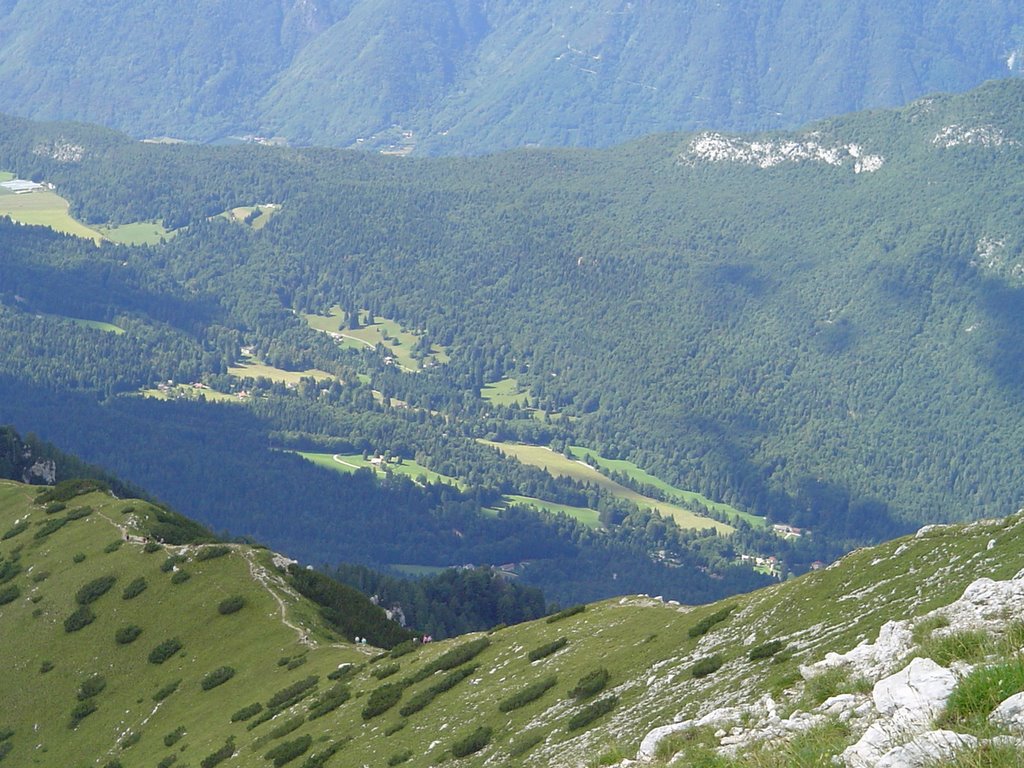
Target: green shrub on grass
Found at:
95, 589
78, 513
167, 762
54, 507
9, 594
49, 527
566, 613
400, 757
174, 736
765, 650
180, 577
450, 659
283, 729
329, 701
219, 676
14, 530
547, 649
977, 695
218, 757
169, 564
45, 666
285, 697
113, 546
385, 670
135, 588
404, 647
395, 727
343, 672
421, 699
8, 570
590, 684
150, 547
81, 711
246, 712
526, 741
78, 557
707, 665
230, 605
164, 650
530, 693
167, 690
80, 619
382, 699
289, 750
704, 626
126, 635
319, 759
590, 713
130, 740
91, 686
473, 742
212, 552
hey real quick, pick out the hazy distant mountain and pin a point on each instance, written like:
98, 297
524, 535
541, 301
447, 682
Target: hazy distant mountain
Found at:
458, 76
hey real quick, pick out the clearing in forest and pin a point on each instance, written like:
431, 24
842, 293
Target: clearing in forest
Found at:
399, 343
562, 466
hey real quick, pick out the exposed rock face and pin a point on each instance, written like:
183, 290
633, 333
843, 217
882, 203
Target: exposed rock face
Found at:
716, 148
42, 471
894, 723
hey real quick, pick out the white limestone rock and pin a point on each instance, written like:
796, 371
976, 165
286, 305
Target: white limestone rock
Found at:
915, 695
871, 660
927, 749
1010, 714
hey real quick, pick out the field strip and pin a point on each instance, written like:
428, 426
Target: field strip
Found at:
337, 458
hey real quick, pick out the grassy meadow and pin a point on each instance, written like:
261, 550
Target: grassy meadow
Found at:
255, 369
261, 214
350, 462
562, 466
396, 340
137, 233
46, 208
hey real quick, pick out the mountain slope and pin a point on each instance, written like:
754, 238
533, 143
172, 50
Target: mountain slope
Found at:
468, 78
282, 657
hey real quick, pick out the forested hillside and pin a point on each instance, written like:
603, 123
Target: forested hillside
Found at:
818, 327
451, 76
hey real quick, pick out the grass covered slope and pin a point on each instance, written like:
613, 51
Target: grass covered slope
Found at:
231, 660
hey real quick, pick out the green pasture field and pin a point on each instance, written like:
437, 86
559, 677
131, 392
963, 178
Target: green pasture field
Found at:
396, 340
352, 461
504, 392
256, 369
5, 176
138, 233
97, 325
643, 477
46, 208
239, 214
561, 466
589, 517
185, 392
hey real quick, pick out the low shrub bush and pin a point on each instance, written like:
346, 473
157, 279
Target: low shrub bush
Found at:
329, 701
135, 588
9, 594
422, 698
526, 741
113, 546
91, 686
531, 692
474, 742
400, 757
81, 711
219, 676
126, 635
95, 589
167, 690
289, 750
230, 605
78, 513
80, 619
14, 530
547, 649
382, 699
590, 684
180, 577
218, 757
707, 665
566, 613
450, 659
212, 552
704, 626
765, 650
169, 564
386, 670
49, 527
164, 650
290, 695
590, 713
174, 736
404, 647
245, 713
